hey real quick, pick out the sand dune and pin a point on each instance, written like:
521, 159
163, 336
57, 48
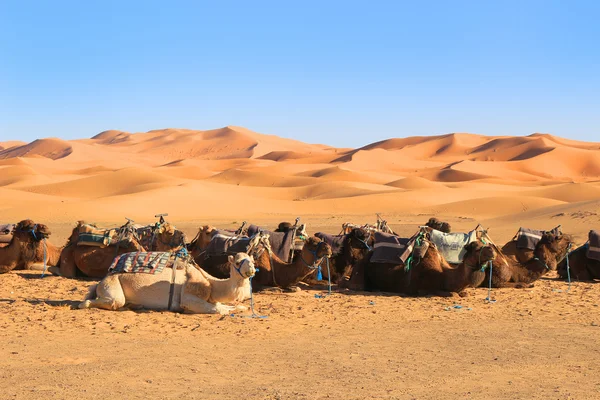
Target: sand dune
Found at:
233, 170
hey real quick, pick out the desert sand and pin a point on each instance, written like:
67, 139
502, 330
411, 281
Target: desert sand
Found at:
532, 343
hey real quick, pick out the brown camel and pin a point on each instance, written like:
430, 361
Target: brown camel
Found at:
429, 273
94, 261
438, 225
168, 238
272, 271
581, 267
510, 273
522, 255
27, 247
348, 249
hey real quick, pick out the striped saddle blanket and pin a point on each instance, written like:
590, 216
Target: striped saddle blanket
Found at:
91, 235
153, 262
593, 250
452, 245
6, 233
390, 248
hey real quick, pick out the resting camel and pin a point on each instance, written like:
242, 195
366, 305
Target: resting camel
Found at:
93, 261
194, 290
509, 273
438, 225
429, 273
512, 252
167, 238
582, 267
354, 246
26, 247
272, 271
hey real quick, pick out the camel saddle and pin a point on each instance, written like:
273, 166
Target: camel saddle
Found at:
281, 242
389, 248
452, 245
152, 262
145, 234
6, 233
224, 244
529, 238
91, 235
593, 251
335, 241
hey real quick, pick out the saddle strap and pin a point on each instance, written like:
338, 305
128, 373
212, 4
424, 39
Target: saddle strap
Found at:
172, 287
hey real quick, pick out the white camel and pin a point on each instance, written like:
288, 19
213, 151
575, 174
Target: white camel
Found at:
193, 291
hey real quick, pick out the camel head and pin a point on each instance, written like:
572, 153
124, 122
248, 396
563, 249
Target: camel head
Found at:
242, 264
438, 225
553, 247
29, 231
203, 238
168, 238
314, 250
478, 255
360, 238
284, 227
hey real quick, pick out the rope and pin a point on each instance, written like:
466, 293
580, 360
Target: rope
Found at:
320, 277
489, 296
254, 314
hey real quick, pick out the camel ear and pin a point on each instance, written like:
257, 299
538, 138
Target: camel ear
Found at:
231, 260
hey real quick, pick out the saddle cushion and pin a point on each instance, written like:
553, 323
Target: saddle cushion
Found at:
529, 238
389, 248
224, 244
6, 233
335, 241
452, 245
281, 242
91, 235
153, 262
593, 251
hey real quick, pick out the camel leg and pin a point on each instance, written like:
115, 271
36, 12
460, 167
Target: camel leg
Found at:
67, 267
195, 305
109, 295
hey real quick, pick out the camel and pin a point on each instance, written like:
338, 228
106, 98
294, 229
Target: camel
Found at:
428, 273
27, 248
583, 261
507, 272
167, 238
272, 271
438, 225
354, 246
192, 291
522, 255
94, 261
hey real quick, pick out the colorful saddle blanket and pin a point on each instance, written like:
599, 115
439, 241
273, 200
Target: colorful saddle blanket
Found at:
452, 245
335, 241
224, 244
593, 250
6, 233
153, 262
389, 248
91, 235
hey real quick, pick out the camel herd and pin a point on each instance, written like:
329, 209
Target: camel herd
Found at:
154, 266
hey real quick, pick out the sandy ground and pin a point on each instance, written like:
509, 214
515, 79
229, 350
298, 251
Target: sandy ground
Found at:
531, 343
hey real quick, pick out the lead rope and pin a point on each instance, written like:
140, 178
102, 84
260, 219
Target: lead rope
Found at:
254, 314
568, 269
489, 296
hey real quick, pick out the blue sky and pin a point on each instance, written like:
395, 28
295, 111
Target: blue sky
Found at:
343, 73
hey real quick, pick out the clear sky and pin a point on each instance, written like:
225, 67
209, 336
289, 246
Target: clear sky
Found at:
344, 73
